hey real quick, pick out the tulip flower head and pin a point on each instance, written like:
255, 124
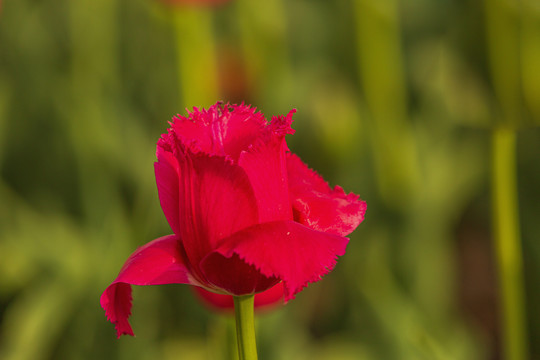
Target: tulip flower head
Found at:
245, 212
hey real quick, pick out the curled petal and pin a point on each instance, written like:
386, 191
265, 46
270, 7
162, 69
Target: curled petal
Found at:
286, 250
116, 301
158, 262
318, 206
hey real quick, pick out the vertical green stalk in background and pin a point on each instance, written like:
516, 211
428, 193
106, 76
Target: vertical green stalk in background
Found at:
507, 243
503, 31
196, 56
93, 77
503, 38
530, 57
263, 33
383, 83
245, 327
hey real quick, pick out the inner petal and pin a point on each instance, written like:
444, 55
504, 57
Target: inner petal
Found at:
234, 275
223, 129
215, 200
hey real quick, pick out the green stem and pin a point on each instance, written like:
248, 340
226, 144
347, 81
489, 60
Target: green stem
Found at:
245, 327
507, 244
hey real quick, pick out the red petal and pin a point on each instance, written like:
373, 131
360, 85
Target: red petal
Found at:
158, 262
166, 170
233, 275
267, 298
265, 165
215, 201
225, 303
116, 301
223, 130
319, 207
287, 250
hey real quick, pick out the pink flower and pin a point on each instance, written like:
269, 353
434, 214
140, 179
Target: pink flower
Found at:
246, 213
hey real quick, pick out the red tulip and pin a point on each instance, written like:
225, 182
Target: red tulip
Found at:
246, 213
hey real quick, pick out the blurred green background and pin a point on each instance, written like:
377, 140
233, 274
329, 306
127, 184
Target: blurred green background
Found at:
397, 101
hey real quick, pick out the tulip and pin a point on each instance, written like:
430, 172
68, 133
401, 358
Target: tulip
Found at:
245, 212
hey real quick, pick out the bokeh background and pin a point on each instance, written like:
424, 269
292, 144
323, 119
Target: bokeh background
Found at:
397, 101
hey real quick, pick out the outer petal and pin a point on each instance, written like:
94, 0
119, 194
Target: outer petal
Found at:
166, 170
219, 302
265, 165
158, 262
215, 201
319, 207
287, 250
223, 129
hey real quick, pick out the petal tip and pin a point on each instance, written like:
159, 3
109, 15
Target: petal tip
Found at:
116, 301
281, 124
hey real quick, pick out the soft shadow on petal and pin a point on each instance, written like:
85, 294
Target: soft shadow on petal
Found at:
156, 263
234, 275
287, 250
269, 298
264, 301
318, 206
